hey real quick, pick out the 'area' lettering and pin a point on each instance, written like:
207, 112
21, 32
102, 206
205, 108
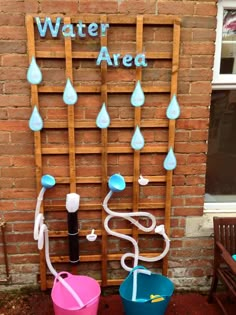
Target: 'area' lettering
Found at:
127, 60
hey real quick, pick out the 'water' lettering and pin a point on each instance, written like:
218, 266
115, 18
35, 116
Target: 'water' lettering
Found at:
68, 29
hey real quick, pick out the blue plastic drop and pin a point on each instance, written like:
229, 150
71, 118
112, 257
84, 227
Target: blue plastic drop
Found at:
70, 96
137, 97
170, 162
35, 122
34, 74
173, 109
103, 119
137, 142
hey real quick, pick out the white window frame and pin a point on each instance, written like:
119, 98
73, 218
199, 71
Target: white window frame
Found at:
222, 80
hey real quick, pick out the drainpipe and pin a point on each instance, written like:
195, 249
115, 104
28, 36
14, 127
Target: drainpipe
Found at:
8, 277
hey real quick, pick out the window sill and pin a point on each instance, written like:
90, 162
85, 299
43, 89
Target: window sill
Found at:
220, 207
202, 226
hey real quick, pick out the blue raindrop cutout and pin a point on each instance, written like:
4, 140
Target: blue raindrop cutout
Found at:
137, 97
137, 142
34, 74
70, 96
35, 122
170, 161
173, 109
103, 119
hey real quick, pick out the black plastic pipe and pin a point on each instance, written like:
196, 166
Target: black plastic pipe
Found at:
72, 221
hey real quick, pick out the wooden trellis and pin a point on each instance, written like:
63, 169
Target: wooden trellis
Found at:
163, 55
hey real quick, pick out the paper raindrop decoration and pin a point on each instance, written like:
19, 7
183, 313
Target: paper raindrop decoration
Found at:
170, 161
173, 109
137, 97
137, 142
35, 122
103, 119
34, 74
70, 96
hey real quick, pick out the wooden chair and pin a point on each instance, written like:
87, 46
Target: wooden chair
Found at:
224, 264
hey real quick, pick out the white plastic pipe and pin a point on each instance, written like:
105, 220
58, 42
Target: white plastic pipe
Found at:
129, 216
43, 236
39, 201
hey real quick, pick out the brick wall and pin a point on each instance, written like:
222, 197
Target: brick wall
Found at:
190, 258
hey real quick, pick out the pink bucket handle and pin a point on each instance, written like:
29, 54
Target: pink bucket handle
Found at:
69, 288
75, 295
60, 275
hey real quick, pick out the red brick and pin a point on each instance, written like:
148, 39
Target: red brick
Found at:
12, 6
11, 149
4, 138
14, 125
196, 158
202, 35
188, 211
24, 259
12, 19
137, 7
199, 62
191, 169
200, 112
196, 49
31, 6
195, 201
17, 193
175, 7
16, 100
178, 180
177, 232
195, 74
12, 33
198, 22
188, 190
13, 87
194, 124
68, 6
200, 87
98, 6
205, 9
15, 47
195, 179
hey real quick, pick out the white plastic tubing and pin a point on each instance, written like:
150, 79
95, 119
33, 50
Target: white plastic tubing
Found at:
136, 256
41, 235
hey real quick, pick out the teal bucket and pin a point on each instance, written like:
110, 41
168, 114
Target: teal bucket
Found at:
154, 292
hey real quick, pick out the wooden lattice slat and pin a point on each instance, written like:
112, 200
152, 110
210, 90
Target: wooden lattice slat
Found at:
171, 137
37, 138
104, 143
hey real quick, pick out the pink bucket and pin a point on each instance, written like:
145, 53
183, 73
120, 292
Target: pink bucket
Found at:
87, 289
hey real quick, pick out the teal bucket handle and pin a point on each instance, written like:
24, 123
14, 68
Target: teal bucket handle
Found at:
145, 271
154, 298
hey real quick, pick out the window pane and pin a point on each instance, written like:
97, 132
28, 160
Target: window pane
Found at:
228, 53
221, 158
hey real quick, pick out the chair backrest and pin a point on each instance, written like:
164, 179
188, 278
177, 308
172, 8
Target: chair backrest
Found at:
225, 232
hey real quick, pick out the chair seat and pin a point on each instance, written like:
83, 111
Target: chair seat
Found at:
229, 279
